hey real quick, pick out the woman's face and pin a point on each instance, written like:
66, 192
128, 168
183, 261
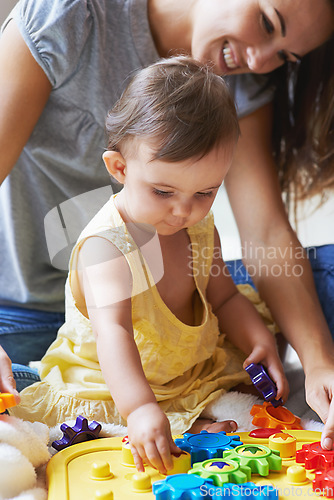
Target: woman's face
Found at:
242, 36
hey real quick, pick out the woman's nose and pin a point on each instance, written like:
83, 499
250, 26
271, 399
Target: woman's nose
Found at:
261, 59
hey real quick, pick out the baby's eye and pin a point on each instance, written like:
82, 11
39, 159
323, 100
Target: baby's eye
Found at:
267, 24
204, 194
164, 194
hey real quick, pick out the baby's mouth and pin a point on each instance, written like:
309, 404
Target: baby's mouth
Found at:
228, 57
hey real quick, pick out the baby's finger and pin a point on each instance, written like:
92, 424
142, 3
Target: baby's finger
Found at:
154, 457
281, 383
173, 448
137, 458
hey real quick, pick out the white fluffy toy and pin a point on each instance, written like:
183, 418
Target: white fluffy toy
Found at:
23, 449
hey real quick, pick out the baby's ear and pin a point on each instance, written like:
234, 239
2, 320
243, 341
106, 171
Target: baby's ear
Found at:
115, 164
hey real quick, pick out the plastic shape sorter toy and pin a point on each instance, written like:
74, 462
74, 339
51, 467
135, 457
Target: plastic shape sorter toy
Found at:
81, 431
207, 444
7, 400
323, 483
100, 469
187, 487
314, 457
266, 415
263, 383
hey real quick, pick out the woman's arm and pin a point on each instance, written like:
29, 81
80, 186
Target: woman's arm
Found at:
24, 91
271, 249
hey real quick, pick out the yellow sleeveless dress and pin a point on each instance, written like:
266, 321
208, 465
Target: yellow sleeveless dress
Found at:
186, 366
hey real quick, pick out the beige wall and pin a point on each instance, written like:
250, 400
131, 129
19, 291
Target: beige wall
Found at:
5, 7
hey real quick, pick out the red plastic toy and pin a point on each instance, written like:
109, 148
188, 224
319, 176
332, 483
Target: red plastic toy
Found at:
315, 457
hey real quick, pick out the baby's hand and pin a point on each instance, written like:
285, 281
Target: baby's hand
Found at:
268, 356
150, 438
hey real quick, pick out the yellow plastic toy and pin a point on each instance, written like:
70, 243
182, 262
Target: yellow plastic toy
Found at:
102, 470
284, 443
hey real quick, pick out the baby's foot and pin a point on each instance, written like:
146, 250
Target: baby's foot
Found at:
211, 426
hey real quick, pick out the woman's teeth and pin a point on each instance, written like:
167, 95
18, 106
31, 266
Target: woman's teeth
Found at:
228, 57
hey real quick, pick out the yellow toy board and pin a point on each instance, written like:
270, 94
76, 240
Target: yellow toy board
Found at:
102, 469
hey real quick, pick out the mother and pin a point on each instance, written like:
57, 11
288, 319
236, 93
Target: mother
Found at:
63, 64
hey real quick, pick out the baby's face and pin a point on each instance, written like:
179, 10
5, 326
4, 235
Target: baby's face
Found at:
172, 196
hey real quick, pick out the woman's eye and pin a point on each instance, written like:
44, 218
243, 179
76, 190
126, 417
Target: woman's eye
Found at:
283, 56
164, 194
268, 25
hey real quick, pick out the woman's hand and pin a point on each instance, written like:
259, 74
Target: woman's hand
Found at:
319, 384
267, 355
150, 438
7, 382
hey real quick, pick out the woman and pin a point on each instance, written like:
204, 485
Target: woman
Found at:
64, 63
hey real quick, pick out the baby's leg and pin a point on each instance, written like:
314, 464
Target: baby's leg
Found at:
205, 424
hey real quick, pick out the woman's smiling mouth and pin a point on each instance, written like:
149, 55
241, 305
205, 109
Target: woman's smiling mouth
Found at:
228, 57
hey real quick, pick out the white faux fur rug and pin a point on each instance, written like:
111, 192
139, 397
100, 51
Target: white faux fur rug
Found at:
231, 406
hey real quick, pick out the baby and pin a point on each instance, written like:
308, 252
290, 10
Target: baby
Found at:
151, 311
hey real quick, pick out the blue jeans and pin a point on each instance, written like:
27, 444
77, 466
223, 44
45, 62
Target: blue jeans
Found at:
26, 334
24, 376
322, 263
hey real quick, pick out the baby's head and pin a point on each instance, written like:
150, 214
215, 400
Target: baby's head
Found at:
172, 136
178, 106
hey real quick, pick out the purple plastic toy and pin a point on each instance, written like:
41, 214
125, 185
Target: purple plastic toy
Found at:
81, 431
263, 383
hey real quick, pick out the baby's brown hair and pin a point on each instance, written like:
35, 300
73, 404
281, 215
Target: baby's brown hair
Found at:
179, 106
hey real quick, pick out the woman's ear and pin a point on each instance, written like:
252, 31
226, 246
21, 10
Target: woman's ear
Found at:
115, 164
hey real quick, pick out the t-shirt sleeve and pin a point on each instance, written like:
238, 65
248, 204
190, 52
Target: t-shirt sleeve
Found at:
55, 32
250, 91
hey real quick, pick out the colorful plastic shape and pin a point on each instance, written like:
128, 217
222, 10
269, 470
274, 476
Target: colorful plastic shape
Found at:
7, 400
81, 431
183, 487
323, 483
315, 457
222, 471
100, 470
258, 457
181, 461
284, 443
296, 475
207, 444
262, 433
266, 415
127, 457
246, 491
141, 482
263, 383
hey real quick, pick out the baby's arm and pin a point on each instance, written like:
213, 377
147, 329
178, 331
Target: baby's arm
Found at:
242, 324
107, 286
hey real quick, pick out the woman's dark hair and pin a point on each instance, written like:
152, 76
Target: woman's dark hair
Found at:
303, 123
